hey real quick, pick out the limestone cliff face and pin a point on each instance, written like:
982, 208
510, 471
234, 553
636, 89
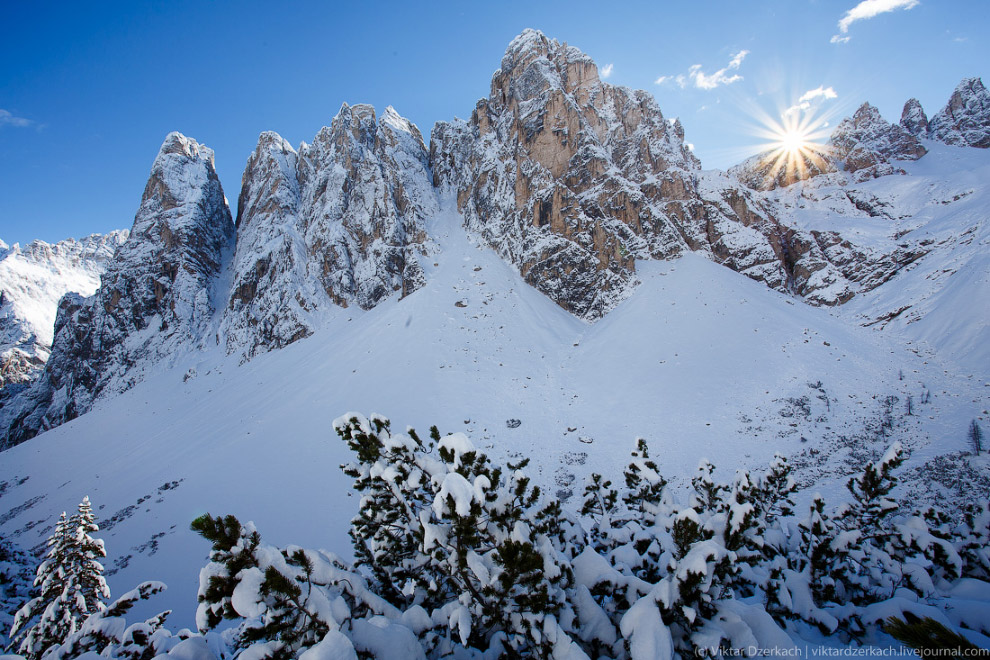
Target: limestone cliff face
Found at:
339, 223
157, 294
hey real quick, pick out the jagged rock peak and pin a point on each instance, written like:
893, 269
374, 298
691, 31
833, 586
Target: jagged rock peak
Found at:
965, 120
533, 64
913, 119
156, 299
569, 178
866, 143
339, 222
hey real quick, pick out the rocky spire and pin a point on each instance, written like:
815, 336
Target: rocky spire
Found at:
366, 196
157, 295
339, 223
913, 119
269, 292
965, 120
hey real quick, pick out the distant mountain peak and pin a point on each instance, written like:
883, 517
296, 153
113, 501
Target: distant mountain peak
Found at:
965, 119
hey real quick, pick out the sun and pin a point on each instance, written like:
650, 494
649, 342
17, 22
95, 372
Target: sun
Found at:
795, 147
794, 141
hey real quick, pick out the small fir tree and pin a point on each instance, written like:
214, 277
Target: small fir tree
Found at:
975, 436
71, 584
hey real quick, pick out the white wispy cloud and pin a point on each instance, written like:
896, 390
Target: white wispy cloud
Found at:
868, 9
8, 119
812, 96
820, 91
698, 78
606, 71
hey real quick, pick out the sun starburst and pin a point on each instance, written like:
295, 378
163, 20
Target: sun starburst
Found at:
794, 149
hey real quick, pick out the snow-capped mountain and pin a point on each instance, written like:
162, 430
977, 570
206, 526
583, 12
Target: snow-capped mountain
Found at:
340, 222
32, 280
865, 144
157, 296
570, 179
555, 278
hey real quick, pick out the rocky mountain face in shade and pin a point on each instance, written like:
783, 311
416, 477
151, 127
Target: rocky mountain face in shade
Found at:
338, 223
965, 120
32, 280
157, 294
866, 144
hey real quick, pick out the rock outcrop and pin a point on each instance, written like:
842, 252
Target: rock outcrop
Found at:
866, 143
341, 222
157, 295
32, 280
913, 119
965, 120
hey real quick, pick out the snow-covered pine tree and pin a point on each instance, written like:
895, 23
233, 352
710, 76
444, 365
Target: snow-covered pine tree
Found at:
600, 501
801, 583
387, 533
71, 585
107, 633
497, 542
17, 571
288, 600
862, 566
974, 542
645, 484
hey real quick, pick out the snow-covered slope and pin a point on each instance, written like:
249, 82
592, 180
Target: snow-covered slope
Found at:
701, 362
32, 280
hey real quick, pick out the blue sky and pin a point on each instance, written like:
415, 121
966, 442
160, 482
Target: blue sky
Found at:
89, 90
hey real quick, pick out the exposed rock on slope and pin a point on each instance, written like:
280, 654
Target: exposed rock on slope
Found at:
157, 293
340, 222
865, 143
32, 279
965, 120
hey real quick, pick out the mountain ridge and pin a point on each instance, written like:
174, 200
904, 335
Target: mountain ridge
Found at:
569, 179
